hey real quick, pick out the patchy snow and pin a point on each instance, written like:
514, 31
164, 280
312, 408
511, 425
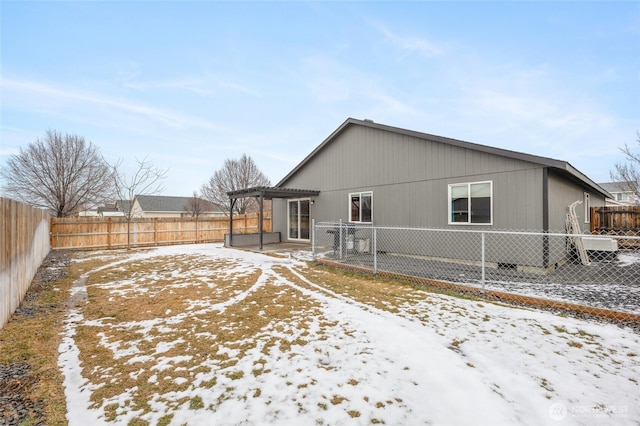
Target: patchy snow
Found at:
628, 259
438, 360
605, 283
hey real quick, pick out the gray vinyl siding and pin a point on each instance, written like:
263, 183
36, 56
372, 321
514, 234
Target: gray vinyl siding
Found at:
279, 218
562, 193
409, 178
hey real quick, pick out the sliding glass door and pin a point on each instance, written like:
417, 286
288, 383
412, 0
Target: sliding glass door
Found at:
299, 220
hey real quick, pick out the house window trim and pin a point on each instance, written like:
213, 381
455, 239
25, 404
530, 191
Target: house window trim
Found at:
360, 193
468, 184
623, 197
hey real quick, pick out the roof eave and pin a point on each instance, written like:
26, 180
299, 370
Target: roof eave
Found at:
568, 168
543, 161
272, 192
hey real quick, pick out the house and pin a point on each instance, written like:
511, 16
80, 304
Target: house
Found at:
89, 213
622, 193
167, 206
371, 173
113, 210
108, 210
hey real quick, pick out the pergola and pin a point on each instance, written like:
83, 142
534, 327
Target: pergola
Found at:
263, 193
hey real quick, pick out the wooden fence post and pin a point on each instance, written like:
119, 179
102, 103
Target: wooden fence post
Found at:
52, 227
108, 232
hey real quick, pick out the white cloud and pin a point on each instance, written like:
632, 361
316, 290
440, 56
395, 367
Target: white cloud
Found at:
408, 43
194, 85
82, 102
197, 85
387, 105
239, 88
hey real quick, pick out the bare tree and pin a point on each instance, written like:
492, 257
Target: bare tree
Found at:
147, 180
627, 174
235, 175
196, 206
61, 173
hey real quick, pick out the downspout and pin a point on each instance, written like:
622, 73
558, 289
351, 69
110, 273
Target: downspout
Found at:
545, 217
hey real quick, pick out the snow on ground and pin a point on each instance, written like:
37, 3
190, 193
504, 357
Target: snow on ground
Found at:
628, 259
435, 360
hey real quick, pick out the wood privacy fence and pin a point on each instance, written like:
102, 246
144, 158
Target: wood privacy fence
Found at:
617, 220
24, 239
93, 233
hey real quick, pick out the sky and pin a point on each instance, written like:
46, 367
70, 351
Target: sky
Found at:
424, 358
188, 85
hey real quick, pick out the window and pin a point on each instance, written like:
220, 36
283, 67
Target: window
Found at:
470, 203
587, 207
622, 196
361, 207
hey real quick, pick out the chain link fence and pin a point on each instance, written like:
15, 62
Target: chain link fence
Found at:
592, 275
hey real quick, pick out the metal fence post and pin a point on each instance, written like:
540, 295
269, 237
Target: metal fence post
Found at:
374, 245
340, 242
313, 239
483, 262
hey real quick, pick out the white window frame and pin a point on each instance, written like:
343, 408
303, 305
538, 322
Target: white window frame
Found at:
623, 196
360, 194
298, 200
468, 185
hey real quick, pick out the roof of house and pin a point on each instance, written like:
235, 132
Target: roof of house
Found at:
618, 186
123, 205
104, 209
562, 166
161, 203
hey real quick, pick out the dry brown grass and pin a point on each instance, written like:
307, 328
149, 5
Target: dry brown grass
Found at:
378, 292
35, 340
386, 294
173, 324
119, 348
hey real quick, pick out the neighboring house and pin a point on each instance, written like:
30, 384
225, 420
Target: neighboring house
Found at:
89, 213
367, 172
622, 193
110, 211
165, 206
102, 211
